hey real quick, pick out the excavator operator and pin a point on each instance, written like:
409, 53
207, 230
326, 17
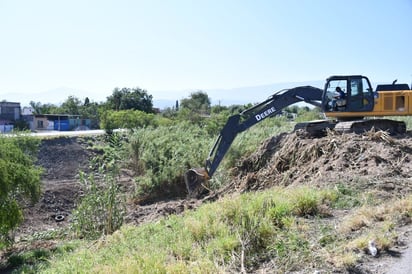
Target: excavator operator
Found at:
339, 101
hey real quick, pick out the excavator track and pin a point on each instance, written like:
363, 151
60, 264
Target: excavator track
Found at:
361, 126
315, 128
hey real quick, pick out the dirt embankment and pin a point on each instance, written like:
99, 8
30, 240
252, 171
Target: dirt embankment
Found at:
372, 161
61, 160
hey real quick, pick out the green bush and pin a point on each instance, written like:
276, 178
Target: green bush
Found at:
19, 180
307, 114
216, 122
162, 155
112, 152
127, 119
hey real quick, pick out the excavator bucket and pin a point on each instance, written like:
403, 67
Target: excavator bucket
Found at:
195, 179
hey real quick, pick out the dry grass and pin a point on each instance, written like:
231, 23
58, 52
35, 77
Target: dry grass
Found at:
379, 136
367, 224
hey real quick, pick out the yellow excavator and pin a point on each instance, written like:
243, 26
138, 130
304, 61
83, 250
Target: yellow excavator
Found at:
348, 102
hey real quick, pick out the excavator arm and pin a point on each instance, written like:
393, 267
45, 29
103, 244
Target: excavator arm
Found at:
195, 177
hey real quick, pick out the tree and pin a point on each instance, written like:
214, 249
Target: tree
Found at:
19, 180
133, 99
86, 101
36, 107
218, 109
39, 108
198, 102
115, 99
71, 106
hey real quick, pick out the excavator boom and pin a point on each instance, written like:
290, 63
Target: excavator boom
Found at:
195, 177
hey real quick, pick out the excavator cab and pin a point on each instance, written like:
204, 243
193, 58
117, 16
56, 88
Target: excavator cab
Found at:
347, 94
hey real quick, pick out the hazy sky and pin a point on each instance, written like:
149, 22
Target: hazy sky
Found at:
97, 45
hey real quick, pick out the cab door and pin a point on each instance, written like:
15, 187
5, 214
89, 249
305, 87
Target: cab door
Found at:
360, 94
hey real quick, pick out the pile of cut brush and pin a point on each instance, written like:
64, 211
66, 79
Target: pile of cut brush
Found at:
373, 158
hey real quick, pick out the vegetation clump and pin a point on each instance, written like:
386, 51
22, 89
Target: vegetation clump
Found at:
19, 181
101, 211
230, 235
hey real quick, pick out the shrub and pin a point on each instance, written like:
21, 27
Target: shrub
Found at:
127, 119
112, 152
101, 211
307, 114
162, 155
19, 180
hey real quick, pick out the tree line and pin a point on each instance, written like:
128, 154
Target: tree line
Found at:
133, 108
126, 102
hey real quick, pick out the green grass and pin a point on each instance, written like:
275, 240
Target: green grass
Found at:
218, 237
285, 228
348, 197
25, 260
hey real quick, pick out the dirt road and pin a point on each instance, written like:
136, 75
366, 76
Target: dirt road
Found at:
403, 265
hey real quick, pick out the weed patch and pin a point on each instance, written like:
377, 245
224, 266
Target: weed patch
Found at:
101, 210
232, 234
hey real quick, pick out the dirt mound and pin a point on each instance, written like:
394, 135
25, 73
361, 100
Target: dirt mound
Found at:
63, 158
290, 159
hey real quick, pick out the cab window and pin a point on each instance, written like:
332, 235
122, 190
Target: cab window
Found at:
356, 87
366, 88
360, 87
336, 94
331, 92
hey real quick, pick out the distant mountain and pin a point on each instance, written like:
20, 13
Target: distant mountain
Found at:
163, 98
234, 96
254, 94
54, 96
